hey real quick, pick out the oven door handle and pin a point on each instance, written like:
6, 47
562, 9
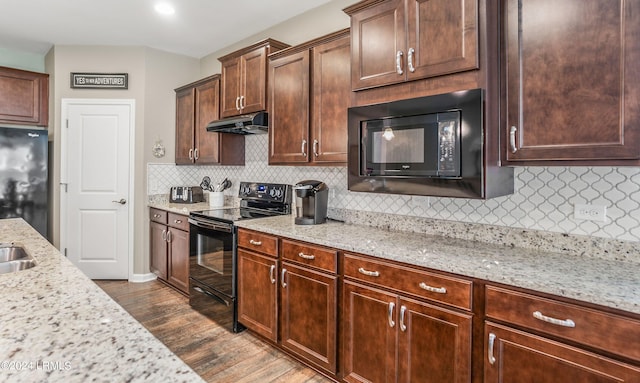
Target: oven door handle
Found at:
212, 295
212, 225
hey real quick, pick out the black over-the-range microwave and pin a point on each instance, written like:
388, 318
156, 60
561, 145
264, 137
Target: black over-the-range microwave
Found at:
425, 146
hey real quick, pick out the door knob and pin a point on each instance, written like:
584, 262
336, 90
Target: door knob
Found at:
121, 202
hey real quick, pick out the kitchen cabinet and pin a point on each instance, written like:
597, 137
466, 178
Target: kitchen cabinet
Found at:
169, 248
571, 82
244, 78
531, 338
395, 41
197, 104
24, 97
309, 96
390, 335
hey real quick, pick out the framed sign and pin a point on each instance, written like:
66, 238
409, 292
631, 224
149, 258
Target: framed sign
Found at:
100, 80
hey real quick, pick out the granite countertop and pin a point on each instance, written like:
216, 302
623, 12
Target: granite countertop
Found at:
604, 282
180, 208
57, 325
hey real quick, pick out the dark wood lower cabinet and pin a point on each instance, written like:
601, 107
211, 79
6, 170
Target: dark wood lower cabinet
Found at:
178, 261
158, 249
516, 356
169, 248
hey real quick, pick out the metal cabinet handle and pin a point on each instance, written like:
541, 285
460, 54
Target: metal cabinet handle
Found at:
410, 60
403, 310
368, 273
390, 314
177, 221
169, 236
399, 63
164, 235
191, 154
121, 201
282, 282
558, 322
255, 243
304, 148
272, 275
315, 147
306, 256
439, 290
512, 139
492, 340
238, 103
157, 216
242, 102
195, 154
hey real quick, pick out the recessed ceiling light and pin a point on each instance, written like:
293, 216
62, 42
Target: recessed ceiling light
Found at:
165, 9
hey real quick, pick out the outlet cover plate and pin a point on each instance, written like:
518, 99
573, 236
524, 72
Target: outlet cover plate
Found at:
590, 212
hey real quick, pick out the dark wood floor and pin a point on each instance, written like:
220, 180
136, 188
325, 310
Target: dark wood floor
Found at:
214, 353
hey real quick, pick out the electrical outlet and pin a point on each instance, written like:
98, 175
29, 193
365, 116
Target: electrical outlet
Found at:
590, 212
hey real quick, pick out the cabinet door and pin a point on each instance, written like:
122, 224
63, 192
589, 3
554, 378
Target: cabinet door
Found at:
572, 79
369, 334
308, 320
289, 109
253, 84
257, 293
515, 356
434, 345
378, 42
185, 120
158, 250
24, 97
331, 97
178, 273
230, 87
442, 37
206, 110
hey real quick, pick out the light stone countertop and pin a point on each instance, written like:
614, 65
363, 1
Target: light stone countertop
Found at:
608, 283
59, 326
180, 208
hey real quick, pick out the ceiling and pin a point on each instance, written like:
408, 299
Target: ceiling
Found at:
198, 27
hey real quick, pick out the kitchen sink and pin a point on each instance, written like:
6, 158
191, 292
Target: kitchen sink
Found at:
14, 258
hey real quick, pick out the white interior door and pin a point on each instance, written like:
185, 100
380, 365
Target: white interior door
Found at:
96, 181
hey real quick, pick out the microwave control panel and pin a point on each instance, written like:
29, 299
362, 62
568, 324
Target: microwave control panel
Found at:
448, 159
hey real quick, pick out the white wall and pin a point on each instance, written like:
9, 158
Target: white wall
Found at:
22, 60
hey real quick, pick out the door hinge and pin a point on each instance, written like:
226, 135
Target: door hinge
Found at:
66, 187
67, 123
65, 251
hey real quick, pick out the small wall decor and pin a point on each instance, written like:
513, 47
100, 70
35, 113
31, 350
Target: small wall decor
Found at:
100, 80
158, 149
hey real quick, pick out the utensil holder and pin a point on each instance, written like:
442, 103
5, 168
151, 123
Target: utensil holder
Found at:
216, 199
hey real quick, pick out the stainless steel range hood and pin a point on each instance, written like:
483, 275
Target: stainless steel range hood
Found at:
256, 123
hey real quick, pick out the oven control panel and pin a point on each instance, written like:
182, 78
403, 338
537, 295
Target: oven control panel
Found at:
265, 192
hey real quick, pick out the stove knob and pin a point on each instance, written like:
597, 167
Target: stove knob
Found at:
272, 192
279, 193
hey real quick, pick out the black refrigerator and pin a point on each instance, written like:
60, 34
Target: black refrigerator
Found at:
23, 175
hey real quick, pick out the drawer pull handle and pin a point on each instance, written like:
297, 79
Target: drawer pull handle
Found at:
282, 282
558, 322
306, 256
256, 243
157, 216
178, 221
164, 235
492, 340
439, 290
368, 273
390, 314
403, 310
272, 275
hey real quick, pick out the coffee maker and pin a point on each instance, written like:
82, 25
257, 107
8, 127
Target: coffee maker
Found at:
311, 202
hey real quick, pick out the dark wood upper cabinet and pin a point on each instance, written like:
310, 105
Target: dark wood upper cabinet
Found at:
197, 104
403, 40
571, 81
24, 97
244, 78
309, 96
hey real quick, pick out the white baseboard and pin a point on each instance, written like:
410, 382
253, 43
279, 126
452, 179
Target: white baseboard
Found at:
139, 278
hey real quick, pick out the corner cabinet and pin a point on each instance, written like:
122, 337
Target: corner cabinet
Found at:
197, 104
571, 82
403, 40
309, 96
24, 97
169, 248
244, 78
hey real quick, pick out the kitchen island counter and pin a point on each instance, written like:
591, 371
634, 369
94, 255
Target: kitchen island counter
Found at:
604, 282
58, 325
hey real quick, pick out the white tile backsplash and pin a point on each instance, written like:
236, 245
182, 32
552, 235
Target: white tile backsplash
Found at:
544, 197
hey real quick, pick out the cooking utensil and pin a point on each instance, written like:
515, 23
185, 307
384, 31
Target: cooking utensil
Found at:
206, 183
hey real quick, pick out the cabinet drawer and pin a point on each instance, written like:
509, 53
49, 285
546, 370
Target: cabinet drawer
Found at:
450, 290
178, 221
157, 215
263, 243
315, 256
592, 327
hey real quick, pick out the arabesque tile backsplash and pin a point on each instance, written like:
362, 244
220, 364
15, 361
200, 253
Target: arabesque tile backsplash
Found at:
544, 197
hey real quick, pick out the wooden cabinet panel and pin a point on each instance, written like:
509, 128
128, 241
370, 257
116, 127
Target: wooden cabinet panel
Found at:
258, 293
185, 120
158, 215
308, 320
254, 88
260, 242
178, 221
572, 80
169, 248
310, 255
178, 267
522, 357
158, 249
230, 87
24, 97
